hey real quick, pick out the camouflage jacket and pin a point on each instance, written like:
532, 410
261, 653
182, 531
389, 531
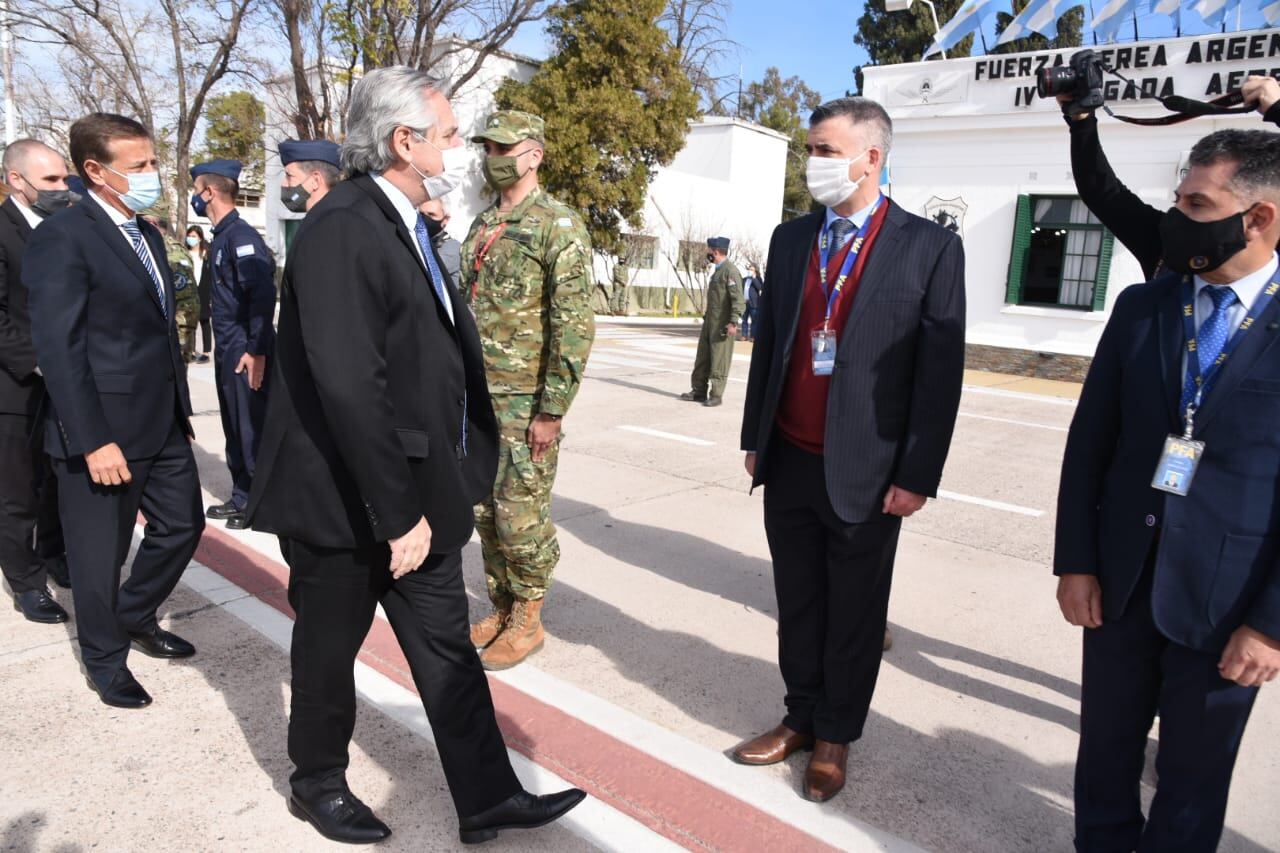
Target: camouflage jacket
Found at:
184, 278
532, 299
724, 297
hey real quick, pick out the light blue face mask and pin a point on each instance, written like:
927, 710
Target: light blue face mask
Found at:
144, 189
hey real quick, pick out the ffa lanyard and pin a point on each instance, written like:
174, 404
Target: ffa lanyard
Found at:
1205, 381
824, 258
483, 251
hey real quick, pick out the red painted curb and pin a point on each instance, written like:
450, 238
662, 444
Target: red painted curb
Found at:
668, 801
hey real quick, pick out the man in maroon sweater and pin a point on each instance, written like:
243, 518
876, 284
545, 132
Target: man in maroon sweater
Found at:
851, 402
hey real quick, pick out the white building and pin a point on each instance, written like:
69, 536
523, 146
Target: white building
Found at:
973, 145
728, 180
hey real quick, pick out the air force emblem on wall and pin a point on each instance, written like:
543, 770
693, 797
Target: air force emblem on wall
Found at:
947, 212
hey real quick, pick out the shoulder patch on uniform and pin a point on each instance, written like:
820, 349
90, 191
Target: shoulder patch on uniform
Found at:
244, 251
564, 222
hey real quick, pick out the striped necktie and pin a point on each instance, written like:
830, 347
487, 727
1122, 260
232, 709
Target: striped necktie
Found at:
131, 228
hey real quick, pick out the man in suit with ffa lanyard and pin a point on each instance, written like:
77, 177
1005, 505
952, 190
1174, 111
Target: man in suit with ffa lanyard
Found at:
1167, 547
851, 402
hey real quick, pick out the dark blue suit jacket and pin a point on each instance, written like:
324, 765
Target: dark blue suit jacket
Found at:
1216, 564
110, 357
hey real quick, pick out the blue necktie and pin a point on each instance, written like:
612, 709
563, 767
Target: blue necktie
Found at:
437, 283
140, 247
840, 230
437, 277
1210, 338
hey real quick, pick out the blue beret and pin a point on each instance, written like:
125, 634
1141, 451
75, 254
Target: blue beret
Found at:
292, 150
721, 243
75, 184
225, 168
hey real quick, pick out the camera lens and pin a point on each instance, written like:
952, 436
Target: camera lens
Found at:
1051, 82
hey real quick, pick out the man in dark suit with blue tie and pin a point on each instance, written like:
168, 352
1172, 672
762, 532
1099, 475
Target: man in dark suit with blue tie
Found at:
118, 421
1168, 534
851, 401
379, 439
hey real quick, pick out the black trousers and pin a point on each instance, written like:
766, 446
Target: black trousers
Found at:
334, 594
1131, 673
206, 334
832, 580
98, 522
243, 412
30, 533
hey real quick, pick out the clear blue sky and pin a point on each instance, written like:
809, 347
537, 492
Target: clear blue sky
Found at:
813, 39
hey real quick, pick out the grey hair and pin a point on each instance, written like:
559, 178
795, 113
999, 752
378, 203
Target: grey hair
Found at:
384, 99
16, 154
1256, 155
865, 114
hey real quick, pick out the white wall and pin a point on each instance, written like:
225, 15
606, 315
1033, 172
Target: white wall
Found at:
976, 138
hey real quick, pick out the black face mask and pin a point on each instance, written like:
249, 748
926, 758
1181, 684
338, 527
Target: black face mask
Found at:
434, 227
295, 199
711, 259
49, 202
1192, 247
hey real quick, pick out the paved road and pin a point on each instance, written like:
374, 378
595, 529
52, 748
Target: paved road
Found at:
660, 657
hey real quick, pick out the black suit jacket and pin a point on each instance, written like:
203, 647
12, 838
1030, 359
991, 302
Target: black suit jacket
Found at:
364, 423
20, 387
110, 357
892, 403
1218, 563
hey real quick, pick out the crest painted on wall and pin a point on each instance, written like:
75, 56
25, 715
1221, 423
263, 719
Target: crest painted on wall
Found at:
947, 212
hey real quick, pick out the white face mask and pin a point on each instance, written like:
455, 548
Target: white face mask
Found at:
828, 179
455, 169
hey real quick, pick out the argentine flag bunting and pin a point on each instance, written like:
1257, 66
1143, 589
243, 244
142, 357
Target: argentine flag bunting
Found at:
1040, 16
1271, 12
1111, 17
1215, 12
968, 19
1172, 8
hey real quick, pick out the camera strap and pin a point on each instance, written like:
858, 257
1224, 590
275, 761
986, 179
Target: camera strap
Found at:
1183, 109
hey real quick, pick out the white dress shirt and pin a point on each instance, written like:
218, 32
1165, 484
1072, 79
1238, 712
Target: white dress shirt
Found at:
409, 214
120, 219
33, 218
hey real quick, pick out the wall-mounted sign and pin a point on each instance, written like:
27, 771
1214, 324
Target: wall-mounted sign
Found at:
947, 212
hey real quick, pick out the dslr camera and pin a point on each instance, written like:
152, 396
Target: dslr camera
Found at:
1080, 79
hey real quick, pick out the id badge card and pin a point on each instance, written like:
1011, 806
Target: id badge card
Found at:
824, 352
1177, 466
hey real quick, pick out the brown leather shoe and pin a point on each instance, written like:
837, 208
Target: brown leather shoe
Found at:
522, 637
484, 632
771, 747
825, 776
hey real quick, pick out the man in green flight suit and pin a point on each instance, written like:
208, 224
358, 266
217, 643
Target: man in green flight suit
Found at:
719, 327
526, 267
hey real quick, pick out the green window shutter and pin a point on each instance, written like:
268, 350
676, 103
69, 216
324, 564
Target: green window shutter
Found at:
1104, 271
1018, 255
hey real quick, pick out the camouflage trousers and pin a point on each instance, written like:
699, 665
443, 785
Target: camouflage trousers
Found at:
517, 537
711, 364
188, 321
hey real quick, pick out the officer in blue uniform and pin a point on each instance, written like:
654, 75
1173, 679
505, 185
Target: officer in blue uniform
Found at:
244, 300
312, 167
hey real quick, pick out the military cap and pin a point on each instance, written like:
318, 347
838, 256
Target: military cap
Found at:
225, 168
293, 150
75, 184
507, 127
721, 243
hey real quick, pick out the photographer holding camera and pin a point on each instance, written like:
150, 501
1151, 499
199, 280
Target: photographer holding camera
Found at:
1134, 223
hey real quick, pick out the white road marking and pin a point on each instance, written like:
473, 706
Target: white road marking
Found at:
1020, 395
989, 504
669, 436
619, 361
1012, 421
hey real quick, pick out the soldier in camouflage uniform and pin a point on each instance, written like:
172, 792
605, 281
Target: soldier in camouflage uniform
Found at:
186, 297
719, 327
526, 267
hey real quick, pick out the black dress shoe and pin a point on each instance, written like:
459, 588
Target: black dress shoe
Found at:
239, 521
161, 644
222, 511
523, 811
38, 606
712, 401
340, 817
124, 691
58, 571
202, 358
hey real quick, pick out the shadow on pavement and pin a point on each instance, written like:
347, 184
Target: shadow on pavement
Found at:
22, 833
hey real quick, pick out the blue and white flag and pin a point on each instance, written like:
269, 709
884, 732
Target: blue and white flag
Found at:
1172, 8
1115, 14
967, 19
1040, 16
1271, 12
1215, 12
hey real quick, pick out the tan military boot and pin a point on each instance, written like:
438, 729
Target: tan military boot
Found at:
484, 632
522, 637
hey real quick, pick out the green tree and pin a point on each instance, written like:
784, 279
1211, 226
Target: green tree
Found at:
617, 106
891, 38
1070, 29
784, 106
234, 127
